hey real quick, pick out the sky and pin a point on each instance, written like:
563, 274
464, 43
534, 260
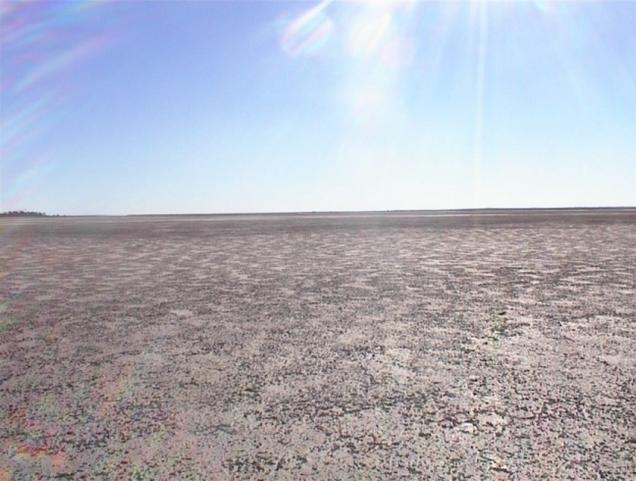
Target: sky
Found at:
132, 107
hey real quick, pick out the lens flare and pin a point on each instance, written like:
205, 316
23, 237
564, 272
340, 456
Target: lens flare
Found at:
309, 32
42, 43
368, 33
451, 46
61, 62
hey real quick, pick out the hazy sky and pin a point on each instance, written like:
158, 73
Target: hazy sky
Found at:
153, 107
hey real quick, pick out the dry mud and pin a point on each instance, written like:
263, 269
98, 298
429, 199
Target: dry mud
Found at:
320, 347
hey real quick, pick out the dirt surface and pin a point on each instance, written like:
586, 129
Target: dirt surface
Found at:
492, 345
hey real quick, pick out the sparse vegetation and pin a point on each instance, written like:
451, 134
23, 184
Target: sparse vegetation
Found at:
22, 213
6, 321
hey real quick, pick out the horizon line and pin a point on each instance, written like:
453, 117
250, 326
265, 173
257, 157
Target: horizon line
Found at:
345, 212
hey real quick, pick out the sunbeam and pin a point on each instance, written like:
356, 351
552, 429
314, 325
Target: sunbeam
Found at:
383, 45
482, 45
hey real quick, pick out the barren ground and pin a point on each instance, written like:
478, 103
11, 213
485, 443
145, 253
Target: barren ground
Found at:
320, 347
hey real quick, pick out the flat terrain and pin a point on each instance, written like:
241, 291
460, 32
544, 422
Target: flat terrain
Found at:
458, 345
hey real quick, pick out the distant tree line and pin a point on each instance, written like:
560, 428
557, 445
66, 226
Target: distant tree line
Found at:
22, 213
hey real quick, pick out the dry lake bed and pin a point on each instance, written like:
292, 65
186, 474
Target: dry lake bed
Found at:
412, 345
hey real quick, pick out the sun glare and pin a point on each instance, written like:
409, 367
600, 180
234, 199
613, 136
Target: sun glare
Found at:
377, 41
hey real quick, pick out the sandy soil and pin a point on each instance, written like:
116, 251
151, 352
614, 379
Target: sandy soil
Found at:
404, 346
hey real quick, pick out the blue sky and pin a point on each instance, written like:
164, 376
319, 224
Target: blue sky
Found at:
179, 107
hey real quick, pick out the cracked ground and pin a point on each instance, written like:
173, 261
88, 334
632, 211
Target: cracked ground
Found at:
493, 345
